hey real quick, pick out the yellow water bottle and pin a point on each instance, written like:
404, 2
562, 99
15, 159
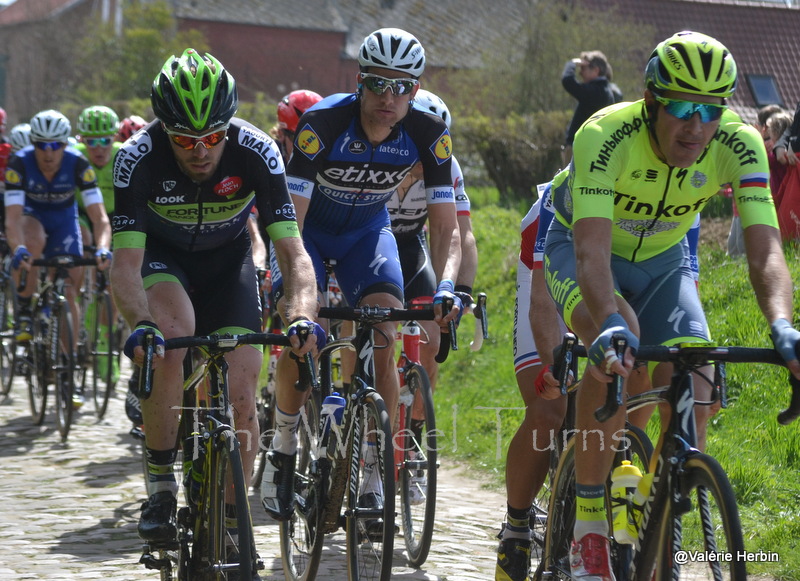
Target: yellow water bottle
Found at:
624, 480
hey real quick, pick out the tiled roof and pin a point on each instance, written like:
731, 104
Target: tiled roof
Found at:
33, 10
453, 32
304, 14
763, 37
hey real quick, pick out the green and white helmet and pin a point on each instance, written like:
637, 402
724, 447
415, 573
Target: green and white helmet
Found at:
691, 62
194, 92
97, 121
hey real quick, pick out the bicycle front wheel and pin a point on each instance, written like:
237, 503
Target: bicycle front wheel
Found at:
104, 352
221, 550
370, 499
40, 372
416, 442
713, 529
63, 367
7, 341
301, 536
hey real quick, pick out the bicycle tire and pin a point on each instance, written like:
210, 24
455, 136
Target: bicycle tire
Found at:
370, 546
103, 353
417, 470
215, 553
561, 510
265, 413
7, 338
704, 482
39, 379
301, 537
63, 367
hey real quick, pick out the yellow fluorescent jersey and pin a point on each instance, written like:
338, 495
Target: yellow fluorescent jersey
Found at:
615, 174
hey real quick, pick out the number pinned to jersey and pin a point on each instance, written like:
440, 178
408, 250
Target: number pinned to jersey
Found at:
443, 148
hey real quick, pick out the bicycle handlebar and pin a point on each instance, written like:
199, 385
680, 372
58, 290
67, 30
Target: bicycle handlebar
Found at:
699, 354
615, 387
374, 315
65, 261
221, 343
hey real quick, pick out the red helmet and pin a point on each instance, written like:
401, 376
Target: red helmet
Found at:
129, 126
293, 105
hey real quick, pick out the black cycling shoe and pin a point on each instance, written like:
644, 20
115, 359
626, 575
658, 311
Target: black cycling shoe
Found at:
157, 523
513, 560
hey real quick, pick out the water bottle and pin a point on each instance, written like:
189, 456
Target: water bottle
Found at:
639, 498
332, 411
624, 481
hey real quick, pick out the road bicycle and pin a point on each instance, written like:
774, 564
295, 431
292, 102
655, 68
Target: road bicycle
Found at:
213, 477
99, 340
683, 478
334, 461
7, 334
414, 441
49, 356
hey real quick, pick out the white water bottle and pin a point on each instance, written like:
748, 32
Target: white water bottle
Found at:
624, 481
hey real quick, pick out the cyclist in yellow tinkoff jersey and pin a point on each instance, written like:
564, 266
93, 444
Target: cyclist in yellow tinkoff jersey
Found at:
616, 259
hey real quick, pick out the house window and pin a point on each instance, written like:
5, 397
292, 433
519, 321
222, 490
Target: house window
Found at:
764, 90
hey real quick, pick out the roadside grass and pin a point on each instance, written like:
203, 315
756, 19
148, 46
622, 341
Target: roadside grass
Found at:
478, 405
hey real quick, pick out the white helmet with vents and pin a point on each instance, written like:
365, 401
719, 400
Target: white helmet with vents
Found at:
20, 136
50, 125
395, 49
434, 104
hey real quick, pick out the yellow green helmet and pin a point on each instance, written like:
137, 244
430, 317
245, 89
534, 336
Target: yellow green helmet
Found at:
691, 62
194, 92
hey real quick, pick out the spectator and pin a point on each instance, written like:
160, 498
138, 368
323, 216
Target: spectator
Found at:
775, 126
593, 92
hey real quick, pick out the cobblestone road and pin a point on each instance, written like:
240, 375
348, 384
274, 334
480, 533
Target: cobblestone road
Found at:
69, 511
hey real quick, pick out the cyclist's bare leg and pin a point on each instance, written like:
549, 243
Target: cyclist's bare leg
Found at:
244, 365
528, 457
386, 378
72, 288
428, 348
174, 316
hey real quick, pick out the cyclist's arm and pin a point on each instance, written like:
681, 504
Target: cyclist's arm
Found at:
445, 240
546, 326
593, 265
128, 287
469, 252
770, 276
260, 258
299, 281
101, 227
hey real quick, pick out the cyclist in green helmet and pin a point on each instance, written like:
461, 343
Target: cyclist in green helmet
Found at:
640, 174
184, 187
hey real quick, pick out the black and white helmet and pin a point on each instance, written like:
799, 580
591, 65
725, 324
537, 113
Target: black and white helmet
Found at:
20, 136
50, 125
434, 104
395, 49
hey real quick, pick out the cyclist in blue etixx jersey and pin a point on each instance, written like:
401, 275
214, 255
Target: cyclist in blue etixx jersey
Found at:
616, 258
351, 153
41, 210
184, 186
413, 215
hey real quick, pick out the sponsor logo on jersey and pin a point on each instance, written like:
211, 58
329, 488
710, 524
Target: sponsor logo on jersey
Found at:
228, 186
299, 187
651, 175
624, 131
442, 194
170, 199
630, 203
646, 228
350, 196
129, 156
754, 180
391, 150
309, 143
761, 199
698, 179
263, 146
168, 185
12, 177
120, 222
357, 147
733, 141
443, 148
157, 266
88, 175
286, 211
365, 177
